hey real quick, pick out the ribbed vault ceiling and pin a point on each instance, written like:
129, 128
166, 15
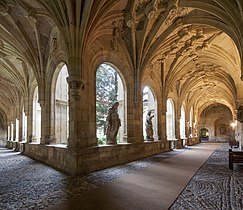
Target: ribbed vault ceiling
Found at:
200, 42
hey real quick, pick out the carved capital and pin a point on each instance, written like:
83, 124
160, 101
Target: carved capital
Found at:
76, 84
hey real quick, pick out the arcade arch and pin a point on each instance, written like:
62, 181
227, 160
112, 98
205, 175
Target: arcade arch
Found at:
170, 119
61, 106
109, 89
150, 104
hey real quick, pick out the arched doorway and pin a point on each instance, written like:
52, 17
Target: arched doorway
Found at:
149, 105
203, 135
109, 89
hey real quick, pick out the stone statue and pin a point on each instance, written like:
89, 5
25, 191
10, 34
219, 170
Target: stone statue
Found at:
113, 124
149, 126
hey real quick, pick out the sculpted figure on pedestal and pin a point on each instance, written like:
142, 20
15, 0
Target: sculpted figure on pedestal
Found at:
113, 124
149, 126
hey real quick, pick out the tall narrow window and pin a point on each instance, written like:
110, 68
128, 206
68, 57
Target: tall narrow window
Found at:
170, 120
36, 117
61, 107
109, 89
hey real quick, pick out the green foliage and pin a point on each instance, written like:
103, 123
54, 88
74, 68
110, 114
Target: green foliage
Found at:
101, 140
106, 93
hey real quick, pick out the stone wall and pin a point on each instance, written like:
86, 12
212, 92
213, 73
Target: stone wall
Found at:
217, 120
91, 158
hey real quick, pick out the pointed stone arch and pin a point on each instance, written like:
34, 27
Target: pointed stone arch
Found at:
61, 107
121, 97
170, 119
150, 104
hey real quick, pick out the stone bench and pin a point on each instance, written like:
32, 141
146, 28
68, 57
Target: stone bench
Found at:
235, 157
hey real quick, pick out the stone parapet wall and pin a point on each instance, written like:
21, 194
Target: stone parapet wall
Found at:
192, 141
56, 157
92, 158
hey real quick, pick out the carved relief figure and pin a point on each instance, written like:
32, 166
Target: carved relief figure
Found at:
149, 126
113, 124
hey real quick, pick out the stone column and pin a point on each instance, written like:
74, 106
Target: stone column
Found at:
48, 116
79, 116
47, 135
135, 123
163, 124
240, 138
21, 126
177, 132
43, 121
8, 131
9, 134
29, 114
14, 130
240, 119
187, 119
192, 126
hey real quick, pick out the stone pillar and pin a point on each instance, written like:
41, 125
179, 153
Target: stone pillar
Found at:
240, 119
135, 123
192, 126
49, 118
240, 138
43, 121
8, 131
21, 127
163, 124
177, 132
187, 129
14, 130
29, 114
47, 135
79, 116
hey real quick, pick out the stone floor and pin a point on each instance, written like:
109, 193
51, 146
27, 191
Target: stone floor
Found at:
214, 186
27, 184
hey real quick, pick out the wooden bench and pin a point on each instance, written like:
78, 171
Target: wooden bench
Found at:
235, 157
